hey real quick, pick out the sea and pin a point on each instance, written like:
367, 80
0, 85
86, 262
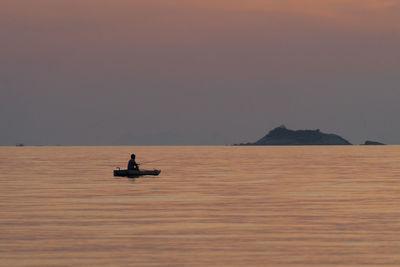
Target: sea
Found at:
210, 206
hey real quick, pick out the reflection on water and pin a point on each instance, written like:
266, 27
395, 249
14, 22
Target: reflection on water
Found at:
61, 206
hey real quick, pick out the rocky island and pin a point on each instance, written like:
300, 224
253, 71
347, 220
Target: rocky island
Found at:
281, 136
372, 143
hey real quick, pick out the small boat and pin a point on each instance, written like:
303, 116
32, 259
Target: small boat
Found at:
135, 173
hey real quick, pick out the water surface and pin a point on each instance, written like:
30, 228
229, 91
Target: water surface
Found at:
61, 206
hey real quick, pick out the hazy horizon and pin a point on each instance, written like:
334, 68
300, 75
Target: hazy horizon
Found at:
197, 73
169, 139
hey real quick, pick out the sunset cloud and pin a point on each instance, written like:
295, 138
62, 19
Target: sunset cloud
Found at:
367, 12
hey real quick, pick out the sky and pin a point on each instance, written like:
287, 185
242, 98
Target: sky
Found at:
191, 72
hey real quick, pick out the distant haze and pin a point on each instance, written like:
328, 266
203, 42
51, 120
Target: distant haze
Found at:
156, 72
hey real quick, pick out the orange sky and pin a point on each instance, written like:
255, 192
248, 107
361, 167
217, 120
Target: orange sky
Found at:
370, 12
306, 6
340, 9
383, 14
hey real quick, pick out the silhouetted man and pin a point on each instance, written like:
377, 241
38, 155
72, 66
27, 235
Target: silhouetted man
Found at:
132, 165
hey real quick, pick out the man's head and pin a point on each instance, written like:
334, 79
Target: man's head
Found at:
133, 156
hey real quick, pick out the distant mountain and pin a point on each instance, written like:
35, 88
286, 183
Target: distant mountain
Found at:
373, 143
281, 136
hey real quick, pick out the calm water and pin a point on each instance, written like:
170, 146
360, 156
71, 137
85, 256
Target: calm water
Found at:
61, 206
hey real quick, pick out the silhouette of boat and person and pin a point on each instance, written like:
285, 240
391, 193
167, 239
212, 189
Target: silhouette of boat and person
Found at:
133, 170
